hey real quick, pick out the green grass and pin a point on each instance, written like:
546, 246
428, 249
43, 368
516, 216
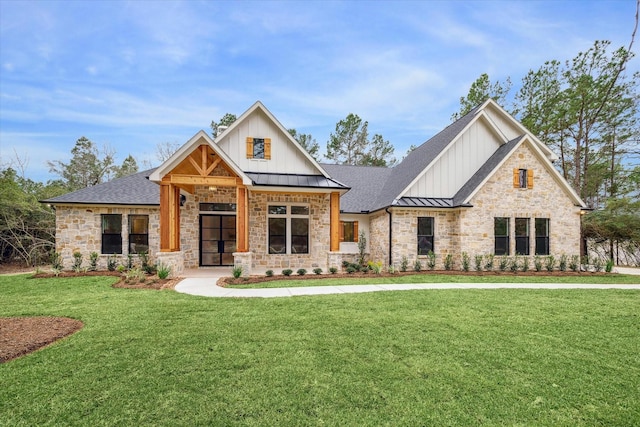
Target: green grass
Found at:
447, 357
442, 278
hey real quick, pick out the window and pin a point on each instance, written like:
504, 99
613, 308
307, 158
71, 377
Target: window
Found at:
349, 231
138, 233
288, 229
542, 236
522, 236
258, 148
111, 233
425, 235
523, 178
501, 232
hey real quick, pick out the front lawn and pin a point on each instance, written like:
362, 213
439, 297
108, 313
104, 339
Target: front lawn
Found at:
446, 357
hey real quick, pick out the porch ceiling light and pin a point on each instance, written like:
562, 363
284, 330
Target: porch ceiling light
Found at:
212, 188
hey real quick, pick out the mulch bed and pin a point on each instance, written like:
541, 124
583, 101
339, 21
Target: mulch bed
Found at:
23, 335
151, 282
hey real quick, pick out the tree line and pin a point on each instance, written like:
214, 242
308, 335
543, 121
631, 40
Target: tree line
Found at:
585, 109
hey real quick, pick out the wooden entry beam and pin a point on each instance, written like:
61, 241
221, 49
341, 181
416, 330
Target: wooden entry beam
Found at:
242, 220
334, 224
221, 181
169, 217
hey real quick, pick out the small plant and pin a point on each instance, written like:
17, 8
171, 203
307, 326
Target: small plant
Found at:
504, 263
478, 261
466, 261
121, 268
135, 275
489, 260
448, 262
317, 271
562, 264
609, 266
93, 261
163, 271
365, 269
56, 261
537, 263
525, 263
551, 263
333, 270
376, 267
431, 263
111, 263
77, 262
514, 264
417, 266
56, 271
301, 272
351, 269
574, 263
236, 271
585, 263
287, 272
391, 269
404, 264
129, 261
345, 263
269, 273
144, 260
597, 264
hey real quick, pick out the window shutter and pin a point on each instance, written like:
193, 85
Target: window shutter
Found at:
530, 178
267, 148
355, 231
342, 231
516, 178
249, 147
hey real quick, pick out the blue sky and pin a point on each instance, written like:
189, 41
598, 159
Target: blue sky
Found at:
135, 74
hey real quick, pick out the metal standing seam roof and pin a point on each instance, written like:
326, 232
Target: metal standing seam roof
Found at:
294, 180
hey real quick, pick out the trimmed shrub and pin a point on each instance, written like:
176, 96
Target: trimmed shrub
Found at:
448, 262
287, 271
317, 271
269, 273
478, 262
431, 263
551, 263
466, 261
404, 264
93, 261
301, 272
333, 270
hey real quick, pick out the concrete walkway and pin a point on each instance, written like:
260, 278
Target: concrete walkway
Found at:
202, 282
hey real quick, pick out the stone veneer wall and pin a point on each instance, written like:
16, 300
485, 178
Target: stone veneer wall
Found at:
498, 198
379, 237
405, 235
79, 229
319, 234
190, 218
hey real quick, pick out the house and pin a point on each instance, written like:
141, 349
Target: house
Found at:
253, 197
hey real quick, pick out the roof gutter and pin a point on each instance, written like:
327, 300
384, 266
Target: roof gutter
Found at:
390, 233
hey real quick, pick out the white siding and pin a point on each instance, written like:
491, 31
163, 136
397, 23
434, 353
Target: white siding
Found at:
503, 123
363, 227
457, 164
285, 156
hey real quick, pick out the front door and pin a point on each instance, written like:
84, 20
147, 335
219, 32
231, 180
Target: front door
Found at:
217, 239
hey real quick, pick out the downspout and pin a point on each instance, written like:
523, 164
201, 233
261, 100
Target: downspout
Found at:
390, 233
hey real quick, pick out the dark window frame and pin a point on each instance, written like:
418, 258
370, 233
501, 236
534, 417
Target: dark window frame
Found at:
138, 238
522, 178
501, 240
425, 240
258, 148
292, 214
111, 238
523, 246
542, 237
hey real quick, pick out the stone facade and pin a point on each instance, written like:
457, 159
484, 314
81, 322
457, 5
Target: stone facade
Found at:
498, 198
79, 229
318, 231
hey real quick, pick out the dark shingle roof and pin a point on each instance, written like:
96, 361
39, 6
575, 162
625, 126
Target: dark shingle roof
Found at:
365, 183
294, 180
134, 189
503, 151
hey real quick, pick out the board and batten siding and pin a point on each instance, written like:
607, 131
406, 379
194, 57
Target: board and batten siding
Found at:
457, 164
506, 126
285, 157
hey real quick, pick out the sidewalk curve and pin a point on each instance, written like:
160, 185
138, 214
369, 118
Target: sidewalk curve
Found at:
207, 287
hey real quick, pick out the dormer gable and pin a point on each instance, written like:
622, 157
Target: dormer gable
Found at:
258, 142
